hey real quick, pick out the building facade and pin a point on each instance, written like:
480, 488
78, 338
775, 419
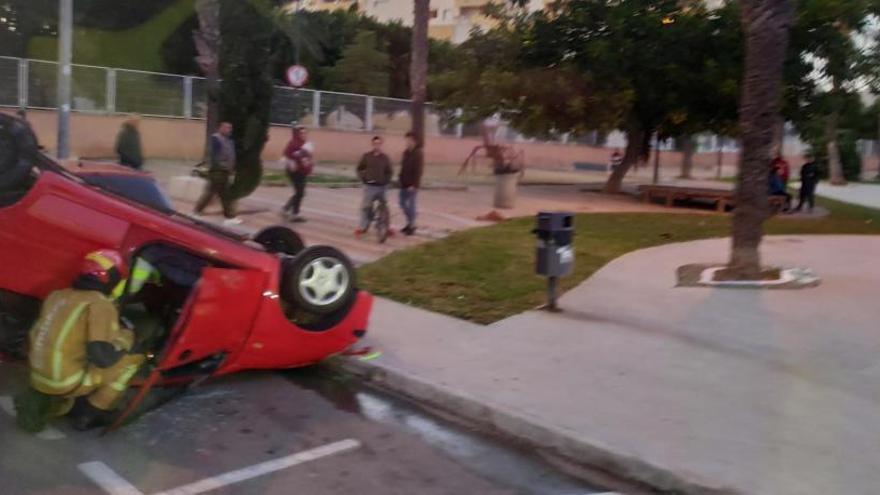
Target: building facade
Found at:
451, 20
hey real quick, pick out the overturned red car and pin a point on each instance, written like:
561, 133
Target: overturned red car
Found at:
220, 302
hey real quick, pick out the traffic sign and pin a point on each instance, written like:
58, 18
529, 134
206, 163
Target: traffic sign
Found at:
297, 76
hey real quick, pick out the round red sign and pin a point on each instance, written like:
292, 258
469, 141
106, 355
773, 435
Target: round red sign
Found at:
297, 76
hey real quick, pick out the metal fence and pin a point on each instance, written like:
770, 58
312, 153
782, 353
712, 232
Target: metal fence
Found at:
33, 84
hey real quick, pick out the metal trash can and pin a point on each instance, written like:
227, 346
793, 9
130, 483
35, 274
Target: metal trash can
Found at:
555, 253
505, 190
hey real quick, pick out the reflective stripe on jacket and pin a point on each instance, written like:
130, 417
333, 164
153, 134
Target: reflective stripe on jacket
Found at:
69, 320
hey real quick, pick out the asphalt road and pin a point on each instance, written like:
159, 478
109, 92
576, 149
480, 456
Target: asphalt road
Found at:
306, 432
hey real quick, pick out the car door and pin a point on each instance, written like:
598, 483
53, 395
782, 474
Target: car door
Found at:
217, 318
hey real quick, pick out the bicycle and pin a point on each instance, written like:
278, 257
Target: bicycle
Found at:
380, 215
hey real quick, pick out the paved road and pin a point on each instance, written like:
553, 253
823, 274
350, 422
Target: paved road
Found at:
278, 433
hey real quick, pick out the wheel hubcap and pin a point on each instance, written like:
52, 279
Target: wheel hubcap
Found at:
323, 281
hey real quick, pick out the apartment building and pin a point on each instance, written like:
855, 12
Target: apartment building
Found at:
451, 20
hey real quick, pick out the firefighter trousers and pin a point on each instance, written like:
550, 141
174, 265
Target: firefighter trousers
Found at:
104, 386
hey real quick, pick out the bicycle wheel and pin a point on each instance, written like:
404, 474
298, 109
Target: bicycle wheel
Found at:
383, 221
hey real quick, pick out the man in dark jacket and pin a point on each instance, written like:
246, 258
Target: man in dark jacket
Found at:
222, 168
809, 180
128, 145
411, 167
375, 171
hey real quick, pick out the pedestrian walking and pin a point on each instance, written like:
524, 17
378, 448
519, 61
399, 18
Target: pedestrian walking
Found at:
299, 163
128, 144
411, 168
222, 168
809, 180
375, 172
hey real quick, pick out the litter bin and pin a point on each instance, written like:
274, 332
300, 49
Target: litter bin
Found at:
505, 190
555, 253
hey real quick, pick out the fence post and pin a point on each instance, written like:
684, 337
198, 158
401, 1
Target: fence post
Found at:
111, 91
459, 126
187, 97
316, 109
22, 83
368, 115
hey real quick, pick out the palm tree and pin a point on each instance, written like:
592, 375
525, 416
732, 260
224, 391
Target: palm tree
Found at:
419, 66
207, 40
766, 25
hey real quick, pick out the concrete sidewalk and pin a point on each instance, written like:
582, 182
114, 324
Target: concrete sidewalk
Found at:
691, 390
860, 194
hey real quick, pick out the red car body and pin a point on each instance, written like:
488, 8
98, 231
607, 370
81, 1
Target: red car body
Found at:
234, 313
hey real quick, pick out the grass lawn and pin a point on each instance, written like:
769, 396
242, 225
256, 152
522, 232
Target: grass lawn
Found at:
136, 48
487, 274
280, 179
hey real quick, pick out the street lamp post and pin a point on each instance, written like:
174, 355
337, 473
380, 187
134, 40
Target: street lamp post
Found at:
65, 51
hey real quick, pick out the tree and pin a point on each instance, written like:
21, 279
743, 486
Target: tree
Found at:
645, 67
23, 19
207, 42
248, 41
419, 66
766, 25
363, 67
840, 61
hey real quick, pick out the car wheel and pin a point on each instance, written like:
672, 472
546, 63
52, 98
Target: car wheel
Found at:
18, 149
280, 240
320, 280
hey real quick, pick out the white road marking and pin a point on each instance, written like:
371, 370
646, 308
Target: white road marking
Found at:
113, 484
48, 434
107, 479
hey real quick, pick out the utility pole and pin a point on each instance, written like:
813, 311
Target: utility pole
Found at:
65, 54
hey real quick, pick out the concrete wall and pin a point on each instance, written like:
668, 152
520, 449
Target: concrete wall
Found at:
94, 135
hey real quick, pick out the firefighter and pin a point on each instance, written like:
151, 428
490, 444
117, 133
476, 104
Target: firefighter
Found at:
79, 356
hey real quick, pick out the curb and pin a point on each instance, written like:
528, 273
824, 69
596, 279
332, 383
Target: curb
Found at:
551, 441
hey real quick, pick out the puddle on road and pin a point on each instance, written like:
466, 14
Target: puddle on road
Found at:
488, 458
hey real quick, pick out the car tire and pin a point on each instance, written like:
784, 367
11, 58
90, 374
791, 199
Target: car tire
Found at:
319, 280
18, 150
280, 240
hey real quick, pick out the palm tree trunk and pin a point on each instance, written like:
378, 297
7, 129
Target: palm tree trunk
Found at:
766, 25
687, 156
419, 67
207, 41
779, 136
635, 142
835, 167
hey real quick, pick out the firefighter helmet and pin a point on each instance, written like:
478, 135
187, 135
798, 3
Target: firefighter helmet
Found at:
105, 266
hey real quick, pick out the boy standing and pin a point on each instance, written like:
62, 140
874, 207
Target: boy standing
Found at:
411, 167
375, 172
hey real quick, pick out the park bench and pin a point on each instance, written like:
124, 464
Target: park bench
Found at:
721, 197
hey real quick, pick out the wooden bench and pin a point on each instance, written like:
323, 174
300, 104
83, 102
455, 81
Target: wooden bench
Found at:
721, 197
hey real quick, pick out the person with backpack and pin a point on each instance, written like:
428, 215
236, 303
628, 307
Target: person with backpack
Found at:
299, 164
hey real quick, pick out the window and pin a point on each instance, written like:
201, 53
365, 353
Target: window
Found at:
142, 190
